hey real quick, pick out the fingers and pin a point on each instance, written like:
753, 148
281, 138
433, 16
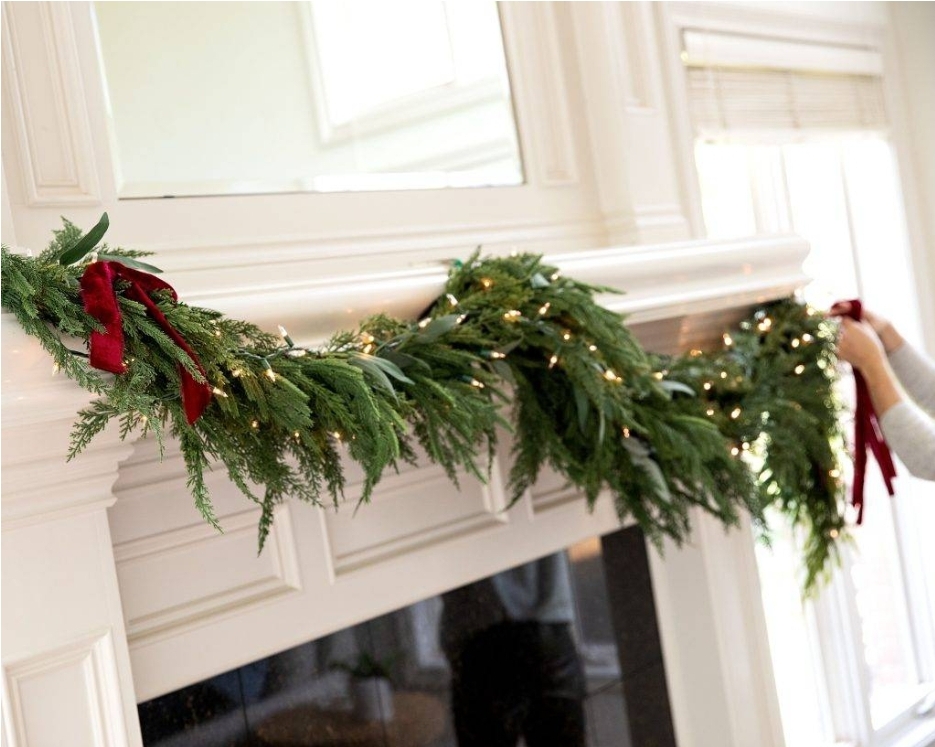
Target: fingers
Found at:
841, 308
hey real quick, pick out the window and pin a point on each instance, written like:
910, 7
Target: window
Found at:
781, 146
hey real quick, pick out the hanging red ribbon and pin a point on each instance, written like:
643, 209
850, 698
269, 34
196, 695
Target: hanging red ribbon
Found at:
867, 431
107, 348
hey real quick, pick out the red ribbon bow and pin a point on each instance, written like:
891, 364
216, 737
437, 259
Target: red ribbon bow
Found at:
867, 433
100, 301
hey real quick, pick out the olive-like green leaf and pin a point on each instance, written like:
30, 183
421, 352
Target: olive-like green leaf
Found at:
677, 386
86, 243
130, 262
437, 327
539, 281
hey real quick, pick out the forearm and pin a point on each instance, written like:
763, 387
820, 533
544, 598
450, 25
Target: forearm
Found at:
881, 381
891, 339
911, 435
916, 373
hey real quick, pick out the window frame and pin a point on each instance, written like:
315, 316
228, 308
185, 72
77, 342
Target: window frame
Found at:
845, 684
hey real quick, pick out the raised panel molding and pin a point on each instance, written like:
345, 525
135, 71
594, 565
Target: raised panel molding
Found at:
47, 102
534, 35
161, 594
552, 491
67, 696
411, 511
634, 27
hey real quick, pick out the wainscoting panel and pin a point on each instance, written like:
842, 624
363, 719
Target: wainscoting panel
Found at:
414, 509
163, 590
67, 696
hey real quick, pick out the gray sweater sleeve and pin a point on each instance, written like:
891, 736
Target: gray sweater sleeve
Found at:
911, 434
917, 375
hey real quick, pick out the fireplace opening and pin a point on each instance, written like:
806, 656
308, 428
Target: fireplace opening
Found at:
563, 650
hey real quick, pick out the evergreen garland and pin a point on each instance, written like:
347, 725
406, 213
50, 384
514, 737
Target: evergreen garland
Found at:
744, 428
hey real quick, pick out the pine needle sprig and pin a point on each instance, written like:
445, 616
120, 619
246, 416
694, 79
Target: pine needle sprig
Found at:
510, 345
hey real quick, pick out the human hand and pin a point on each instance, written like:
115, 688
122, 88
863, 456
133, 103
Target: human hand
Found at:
859, 345
885, 331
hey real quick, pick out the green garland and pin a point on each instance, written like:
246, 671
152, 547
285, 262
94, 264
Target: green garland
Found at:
751, 426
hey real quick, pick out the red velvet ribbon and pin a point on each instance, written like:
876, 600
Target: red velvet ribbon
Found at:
107, 348
867, 433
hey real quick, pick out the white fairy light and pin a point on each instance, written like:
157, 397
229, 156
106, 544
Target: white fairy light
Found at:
544, 309
799, 369
735, 413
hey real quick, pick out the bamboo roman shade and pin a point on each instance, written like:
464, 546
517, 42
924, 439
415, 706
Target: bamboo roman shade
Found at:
738, 84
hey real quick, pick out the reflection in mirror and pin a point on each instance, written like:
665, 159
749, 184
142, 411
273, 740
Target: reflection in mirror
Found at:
527, 657
321, 96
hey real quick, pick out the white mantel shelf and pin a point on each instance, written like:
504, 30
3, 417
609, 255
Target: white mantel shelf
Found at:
115, 592
659, 282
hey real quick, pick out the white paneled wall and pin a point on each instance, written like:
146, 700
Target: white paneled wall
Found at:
105, 561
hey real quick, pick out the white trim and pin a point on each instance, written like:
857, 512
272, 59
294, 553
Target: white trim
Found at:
713, 49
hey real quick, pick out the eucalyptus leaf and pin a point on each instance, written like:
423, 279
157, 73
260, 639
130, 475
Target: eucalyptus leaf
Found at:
438, 327
583, 405
677, 386
640, 454
130, 262
86, 243
404, 361
373, 371
390, 368
504, 371
539, 281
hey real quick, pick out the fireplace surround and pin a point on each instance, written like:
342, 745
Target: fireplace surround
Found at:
318, 693
116, 593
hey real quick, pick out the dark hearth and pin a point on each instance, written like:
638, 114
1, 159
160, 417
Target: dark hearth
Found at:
561, 652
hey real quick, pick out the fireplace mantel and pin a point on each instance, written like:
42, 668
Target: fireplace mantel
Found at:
115, 592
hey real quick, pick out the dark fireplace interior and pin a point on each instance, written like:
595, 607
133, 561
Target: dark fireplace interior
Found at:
563, 651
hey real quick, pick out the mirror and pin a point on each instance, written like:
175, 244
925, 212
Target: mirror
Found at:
218, 98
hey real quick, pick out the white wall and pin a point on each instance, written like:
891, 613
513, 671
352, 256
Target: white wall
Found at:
914, 31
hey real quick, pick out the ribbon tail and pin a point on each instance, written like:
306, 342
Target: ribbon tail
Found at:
882, 453
861, 423
100, 301
196, 395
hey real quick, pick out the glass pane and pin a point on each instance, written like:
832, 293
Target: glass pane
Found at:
820, 215
881, 604
247, 97
726, 197
498, 661
796, 662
